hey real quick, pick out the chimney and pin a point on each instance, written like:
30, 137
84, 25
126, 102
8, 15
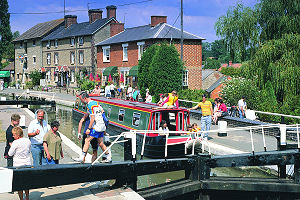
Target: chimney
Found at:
158, 19
230, 63
111, 11
95, 14
69, 20
116, 28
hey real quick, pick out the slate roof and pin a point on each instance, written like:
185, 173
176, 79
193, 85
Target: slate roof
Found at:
40, 30
160, 31
216, 84
80, 29
207, 72
9, 67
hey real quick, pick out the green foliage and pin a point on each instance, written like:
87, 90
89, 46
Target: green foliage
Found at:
212, 64
29, 85
87, 85
5, 32
144, 66
216, 49
277, 17
190, 95
231, 71
12, 84
291, 106
35, 76
240, 31
278, 61
233, 89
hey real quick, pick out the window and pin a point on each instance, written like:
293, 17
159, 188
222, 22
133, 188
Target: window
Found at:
72, 76
106, 53
80, 40
56, 43
33, 59
140, 49
125, 76
72, 41
121, 115
81, 59
72, 57
56, 58
48, 44
33, 42
157, 120
21, 45
180, 122
49, 58
136, 119
48, 76
125, 53
108, 111
185, 78
56, 76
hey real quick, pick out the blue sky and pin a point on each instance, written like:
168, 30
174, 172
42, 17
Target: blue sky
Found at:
199, 15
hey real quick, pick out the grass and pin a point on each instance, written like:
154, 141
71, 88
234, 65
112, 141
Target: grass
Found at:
2, 134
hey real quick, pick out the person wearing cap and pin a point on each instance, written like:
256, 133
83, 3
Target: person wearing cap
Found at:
207, 112
242, 107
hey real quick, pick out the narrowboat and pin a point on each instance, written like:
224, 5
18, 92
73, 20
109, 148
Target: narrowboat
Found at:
126, 115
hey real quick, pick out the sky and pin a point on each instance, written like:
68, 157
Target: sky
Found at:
199, 15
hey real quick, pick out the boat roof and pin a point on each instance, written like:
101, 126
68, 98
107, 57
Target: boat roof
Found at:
150, 107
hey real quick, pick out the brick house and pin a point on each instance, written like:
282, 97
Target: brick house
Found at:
118, 56
71, 48
28, 50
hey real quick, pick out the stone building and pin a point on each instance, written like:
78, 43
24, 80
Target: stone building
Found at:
118, 56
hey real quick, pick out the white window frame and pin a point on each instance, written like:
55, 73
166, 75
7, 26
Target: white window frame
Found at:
72, 57
34, 59
48, 44
72, 76
125, 51
81, 57
56, 58
140, 49
185, 78
56, 43
48, 58
106, 53
72, 41
80, 40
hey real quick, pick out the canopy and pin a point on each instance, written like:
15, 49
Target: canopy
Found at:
4, 74
110, 70
97, 78
91, 77
134, 71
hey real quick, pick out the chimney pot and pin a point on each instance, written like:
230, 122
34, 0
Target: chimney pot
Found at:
111, 11
158, 19
95, 14
69, 20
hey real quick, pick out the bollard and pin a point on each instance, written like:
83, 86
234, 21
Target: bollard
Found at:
222, 126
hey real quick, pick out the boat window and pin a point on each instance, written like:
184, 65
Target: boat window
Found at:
185, 119
121, 115
157, 120
108, 111
180, 121
151, 122
136, 119
77, 103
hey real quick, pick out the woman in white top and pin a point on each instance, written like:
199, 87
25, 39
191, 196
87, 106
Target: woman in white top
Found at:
163, 126
20, 150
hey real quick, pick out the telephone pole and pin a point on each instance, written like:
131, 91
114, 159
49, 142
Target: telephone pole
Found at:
181, 38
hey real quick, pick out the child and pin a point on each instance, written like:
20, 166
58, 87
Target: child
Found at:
20, 150
195, 127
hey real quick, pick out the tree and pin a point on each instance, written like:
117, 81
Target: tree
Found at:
212, 64
144, 65
218, 49
35, 77
5, 32
165, 71
277, 17
278, 61
240, 31
10, 50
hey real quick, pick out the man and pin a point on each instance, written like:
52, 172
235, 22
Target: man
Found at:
94, 141
207, 113
107, 90
97, 90
96, 127
242, 107
36, 131
15, 121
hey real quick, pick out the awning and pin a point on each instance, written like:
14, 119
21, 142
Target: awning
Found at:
134, 71
110, 70
4, 74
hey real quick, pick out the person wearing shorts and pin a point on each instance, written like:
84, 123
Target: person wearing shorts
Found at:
96, 127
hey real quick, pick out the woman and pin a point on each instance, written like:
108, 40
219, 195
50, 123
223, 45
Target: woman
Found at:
223, 108
129, 92
148, 96
217, 112
171, 101
52, 144
20, 150
163, 126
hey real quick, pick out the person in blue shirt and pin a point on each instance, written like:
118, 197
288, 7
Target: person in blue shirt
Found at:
96, 127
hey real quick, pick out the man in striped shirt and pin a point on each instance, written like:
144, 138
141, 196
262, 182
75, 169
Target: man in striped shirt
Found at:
207, 113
